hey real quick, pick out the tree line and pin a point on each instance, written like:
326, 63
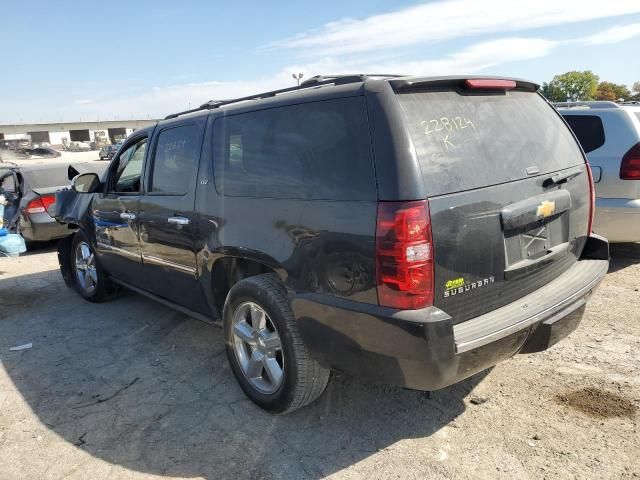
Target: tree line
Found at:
581, 86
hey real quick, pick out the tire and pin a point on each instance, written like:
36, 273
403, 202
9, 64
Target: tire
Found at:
97, 286
302, 379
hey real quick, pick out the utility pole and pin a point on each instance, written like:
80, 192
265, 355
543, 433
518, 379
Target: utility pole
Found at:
298, 77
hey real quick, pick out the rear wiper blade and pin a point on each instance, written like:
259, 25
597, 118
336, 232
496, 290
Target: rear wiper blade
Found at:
559, 178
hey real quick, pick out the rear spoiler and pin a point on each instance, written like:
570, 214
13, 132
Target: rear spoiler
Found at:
460, 82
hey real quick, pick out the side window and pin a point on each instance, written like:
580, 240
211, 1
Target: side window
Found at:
176, 160
129, 170
317, 150
588, 129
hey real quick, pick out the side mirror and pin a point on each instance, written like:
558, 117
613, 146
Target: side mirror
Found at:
86, 183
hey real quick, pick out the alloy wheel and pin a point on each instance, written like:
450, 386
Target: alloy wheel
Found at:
85, 265
258, 347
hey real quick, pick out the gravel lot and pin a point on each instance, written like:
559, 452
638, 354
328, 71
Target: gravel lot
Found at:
65, 158
132, 389
88, 160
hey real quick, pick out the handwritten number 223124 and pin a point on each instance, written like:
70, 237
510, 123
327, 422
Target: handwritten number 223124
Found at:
446, 123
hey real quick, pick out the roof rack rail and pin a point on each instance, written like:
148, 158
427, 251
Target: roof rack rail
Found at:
209, 104
342, 79
587, 104
316, 81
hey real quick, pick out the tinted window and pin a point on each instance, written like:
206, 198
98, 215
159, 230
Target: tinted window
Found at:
466, 141
176, 159
318, 150
588, 129
127, 177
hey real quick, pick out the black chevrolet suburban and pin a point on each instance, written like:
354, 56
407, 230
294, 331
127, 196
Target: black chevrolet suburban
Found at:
410, 230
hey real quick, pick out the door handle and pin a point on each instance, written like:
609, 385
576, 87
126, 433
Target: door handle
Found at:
127, 216
178, 220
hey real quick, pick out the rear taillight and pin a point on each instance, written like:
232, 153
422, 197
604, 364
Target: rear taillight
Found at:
592, 199
490, 84
404, 255
630, 166
40, 204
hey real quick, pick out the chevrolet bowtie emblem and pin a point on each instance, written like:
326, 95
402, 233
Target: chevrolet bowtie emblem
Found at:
546, 209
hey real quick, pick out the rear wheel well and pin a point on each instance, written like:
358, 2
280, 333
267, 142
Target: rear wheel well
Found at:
229, 271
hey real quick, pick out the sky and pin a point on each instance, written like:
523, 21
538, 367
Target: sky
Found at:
81, 61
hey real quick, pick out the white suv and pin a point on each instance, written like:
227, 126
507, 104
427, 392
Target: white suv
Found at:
610, 136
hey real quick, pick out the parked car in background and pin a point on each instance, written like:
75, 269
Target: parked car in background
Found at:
27, 202
14, 144
38, 152
45, 152
610, 136
107, 152
407, 229
31, 190
39, 193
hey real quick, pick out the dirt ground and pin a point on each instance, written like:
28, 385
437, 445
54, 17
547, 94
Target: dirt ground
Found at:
132, 389
64, 159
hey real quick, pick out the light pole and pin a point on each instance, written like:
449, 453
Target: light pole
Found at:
298, 77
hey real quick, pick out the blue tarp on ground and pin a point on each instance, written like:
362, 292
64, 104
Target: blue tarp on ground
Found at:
12, 245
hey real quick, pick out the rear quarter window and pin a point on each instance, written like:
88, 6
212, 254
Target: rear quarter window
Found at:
470, 140
317, 150
588, 129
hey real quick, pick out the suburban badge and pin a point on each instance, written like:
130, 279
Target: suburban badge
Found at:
459, 286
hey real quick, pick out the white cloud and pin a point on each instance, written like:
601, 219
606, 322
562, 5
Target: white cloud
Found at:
159, 101
444, 20
476, 58
615, 34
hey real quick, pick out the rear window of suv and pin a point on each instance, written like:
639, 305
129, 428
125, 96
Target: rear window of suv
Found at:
317, 150
588, 129
467, 141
